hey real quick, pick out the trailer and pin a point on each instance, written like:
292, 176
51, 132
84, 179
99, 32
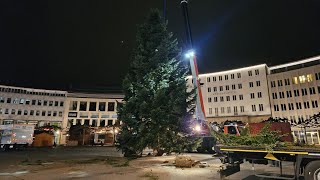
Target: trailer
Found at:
16, 136
306, 160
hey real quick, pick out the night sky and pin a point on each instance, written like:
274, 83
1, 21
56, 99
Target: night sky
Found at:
59, 44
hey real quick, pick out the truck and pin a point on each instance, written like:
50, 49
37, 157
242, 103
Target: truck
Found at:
16, 136
306, 159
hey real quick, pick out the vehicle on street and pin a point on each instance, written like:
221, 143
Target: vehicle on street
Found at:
16, 136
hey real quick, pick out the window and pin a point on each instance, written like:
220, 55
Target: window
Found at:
25, 112
215, 89
257, 71
31, 112
221, 99
233, 86
281, 95
8, 100
298, 105
216, 112
45, 103
250, 84
259, 95
227, 87
302, 79
252, 95
102, 106
290, 106
1, 99
61, 103
83, 106
260, 107
54, 113
283, 107
221, 88
208, 79
314, 104
232, 76
228, 109
15, 101
241, 97
43, 113
33, 102
306, 105
214, 79
279, 83
110, 122
19, 112
228, 98
39, 102
274, 96
250, 73
312, 90
21, 101
13, 111
215, 99
276, 107
222, 110
37, 113
93, 106
111, 106
258, 83
60, 113
286, 82
304, 92
56, 103
296, 92
50, 103
49, 113
317, 76
239, 86
220, 78
209, 89
235, 110
73, 105
239, 75
295, 80
253, 108
226, 77
309, 77
289, 94
234, 97
241, 108
273, 84
209, 99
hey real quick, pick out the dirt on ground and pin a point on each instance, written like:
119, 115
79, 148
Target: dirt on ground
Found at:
118, 168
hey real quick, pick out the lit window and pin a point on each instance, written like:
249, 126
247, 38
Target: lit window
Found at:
295, 80
302, 79
309, 77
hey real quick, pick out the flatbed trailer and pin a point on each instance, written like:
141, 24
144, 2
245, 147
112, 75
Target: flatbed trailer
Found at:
306, 160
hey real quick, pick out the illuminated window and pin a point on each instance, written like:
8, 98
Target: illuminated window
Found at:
302, 79
295, 80
309, 77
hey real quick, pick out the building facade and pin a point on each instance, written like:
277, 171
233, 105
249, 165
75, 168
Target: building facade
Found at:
239, 94
294, 94
31, 106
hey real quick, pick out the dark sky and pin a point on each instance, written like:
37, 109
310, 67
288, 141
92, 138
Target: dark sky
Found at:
52, 44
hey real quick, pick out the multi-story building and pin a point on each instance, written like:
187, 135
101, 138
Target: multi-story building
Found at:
294, 90
239, 94
31, 106
94, 110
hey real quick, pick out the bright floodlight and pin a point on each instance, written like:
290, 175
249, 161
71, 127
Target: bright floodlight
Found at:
197, 128
189, 54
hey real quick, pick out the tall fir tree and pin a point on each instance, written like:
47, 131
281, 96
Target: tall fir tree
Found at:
155, 91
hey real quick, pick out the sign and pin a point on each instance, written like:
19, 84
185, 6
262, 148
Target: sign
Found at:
72, 114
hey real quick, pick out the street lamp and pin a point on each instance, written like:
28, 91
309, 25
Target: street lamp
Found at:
190, 54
